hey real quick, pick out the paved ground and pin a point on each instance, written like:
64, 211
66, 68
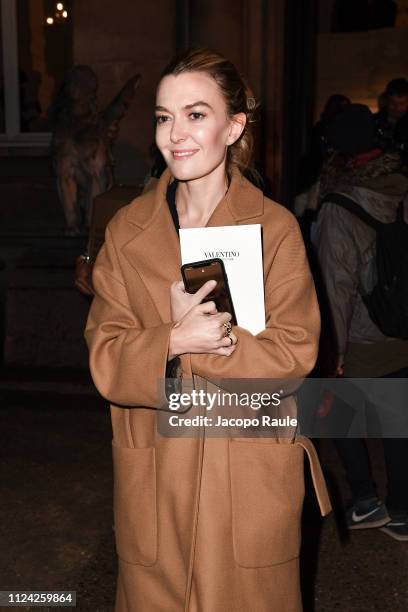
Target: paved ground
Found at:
55, 508
56, 518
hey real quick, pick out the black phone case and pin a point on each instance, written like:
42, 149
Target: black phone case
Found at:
206, 263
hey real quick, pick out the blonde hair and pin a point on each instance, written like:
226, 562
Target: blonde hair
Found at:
237, 95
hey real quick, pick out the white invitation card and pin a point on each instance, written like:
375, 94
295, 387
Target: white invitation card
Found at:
240, 248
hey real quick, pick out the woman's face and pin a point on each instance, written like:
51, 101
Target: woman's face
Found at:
193, 130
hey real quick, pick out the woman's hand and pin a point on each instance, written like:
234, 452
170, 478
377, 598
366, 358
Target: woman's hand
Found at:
181, 301
202, 330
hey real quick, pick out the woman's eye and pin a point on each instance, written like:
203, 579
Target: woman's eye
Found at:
162, 118
196, 115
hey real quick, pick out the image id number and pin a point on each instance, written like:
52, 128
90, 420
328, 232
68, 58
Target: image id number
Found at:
33, 598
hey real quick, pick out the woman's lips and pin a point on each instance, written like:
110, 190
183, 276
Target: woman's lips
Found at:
183, 154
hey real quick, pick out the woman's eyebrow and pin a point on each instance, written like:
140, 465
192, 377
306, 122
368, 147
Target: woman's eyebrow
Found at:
198, 103
186, 107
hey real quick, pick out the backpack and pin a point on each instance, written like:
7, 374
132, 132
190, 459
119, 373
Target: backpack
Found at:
387, 304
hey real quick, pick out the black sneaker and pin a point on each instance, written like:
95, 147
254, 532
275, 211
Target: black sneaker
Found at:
397, 528
366, 514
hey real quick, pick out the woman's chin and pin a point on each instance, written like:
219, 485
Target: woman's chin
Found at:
184, 173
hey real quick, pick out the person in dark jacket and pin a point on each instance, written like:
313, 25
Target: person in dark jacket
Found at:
391, 120
346, 251
319, 151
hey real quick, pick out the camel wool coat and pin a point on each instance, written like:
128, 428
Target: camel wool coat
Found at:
202, 524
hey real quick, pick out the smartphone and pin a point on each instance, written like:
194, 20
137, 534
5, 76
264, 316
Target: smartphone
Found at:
197, 273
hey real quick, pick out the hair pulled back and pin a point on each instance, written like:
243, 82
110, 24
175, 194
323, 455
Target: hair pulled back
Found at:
237, 95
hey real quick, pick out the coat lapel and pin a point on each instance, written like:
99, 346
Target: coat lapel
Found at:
154, 252
242, 203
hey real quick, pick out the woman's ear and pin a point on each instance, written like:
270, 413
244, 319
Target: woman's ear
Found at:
237, 126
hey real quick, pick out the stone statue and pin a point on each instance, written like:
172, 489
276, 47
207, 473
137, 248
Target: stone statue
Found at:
82, 142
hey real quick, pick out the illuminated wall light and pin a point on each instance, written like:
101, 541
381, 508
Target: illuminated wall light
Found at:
65, 14
50, 20
60, 6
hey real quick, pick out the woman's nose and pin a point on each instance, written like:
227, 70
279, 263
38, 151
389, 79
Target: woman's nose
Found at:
177, 133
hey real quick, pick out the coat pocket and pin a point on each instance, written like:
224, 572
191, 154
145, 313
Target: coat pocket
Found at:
134, 504
267, 490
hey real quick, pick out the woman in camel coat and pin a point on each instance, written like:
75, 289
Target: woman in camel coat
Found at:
201, 524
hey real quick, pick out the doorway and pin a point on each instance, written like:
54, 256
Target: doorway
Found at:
36, 52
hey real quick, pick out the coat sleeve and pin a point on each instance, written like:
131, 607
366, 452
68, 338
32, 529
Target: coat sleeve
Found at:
338, 262
287, 348
127, 362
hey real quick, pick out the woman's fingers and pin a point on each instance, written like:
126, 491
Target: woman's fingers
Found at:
207, 308
210, 308
230, 340
204, 291
224, 325
204, 330
226, 342
223, 317
226, 351
178, 286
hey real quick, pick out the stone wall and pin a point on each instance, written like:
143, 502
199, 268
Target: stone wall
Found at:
359, 64
122, 38
119, 39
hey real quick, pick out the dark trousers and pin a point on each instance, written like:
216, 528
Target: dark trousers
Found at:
354, 456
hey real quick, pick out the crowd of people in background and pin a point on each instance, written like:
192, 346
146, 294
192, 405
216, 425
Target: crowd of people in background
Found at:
356, 183
391, 124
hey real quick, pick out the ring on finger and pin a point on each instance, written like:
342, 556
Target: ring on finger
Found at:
227, 329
